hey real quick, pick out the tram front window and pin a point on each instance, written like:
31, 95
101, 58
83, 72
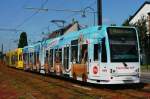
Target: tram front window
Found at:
123, 44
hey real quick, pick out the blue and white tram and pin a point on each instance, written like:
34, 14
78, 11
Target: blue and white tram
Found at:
28, 57
102, 55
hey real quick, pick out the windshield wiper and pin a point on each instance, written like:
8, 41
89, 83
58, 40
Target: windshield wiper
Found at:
125, 64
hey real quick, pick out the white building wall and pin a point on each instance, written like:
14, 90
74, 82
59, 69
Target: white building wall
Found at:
143, 12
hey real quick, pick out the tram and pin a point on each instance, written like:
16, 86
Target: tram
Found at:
99, 54
14, 58
102, 55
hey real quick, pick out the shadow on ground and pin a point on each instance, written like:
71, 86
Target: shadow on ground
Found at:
138, 86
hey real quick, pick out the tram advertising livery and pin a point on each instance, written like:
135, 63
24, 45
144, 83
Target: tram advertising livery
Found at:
101, 55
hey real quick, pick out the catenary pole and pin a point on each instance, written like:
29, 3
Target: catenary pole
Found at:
99, 12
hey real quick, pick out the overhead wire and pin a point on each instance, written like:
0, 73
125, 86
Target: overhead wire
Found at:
68, 10
28, 18
75, 13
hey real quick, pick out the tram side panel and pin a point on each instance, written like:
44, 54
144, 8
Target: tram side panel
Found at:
19, 57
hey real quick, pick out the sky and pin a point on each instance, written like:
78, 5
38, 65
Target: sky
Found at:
15, 15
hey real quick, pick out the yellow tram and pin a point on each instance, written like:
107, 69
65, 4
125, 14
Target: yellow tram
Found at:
14, 58
19, 58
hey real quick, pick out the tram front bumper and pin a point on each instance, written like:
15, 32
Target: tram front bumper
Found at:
118, 80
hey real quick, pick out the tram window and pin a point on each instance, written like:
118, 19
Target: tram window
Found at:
28, 58
66, 57
51, 58
16, 57
46, 54
104, 54
74, 42
96, 48
31, 58
74, 56
34, 58
37, 57
74, 50
46, 57
24, 57
12, 59
37, 54
83, 54
20, 57
58, 55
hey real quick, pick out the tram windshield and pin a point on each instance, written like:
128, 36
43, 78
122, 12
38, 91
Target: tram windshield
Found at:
123, 44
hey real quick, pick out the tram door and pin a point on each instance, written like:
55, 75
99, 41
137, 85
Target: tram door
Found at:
79, 59
94, 64
98, 61
103, 60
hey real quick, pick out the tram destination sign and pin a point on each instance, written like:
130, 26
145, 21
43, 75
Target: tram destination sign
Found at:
114, 30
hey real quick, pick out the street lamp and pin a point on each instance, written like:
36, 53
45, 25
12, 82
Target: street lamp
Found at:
84, 12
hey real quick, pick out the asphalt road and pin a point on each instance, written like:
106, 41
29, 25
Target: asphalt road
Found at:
145, 77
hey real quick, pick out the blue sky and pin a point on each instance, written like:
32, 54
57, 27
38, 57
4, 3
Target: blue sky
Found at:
13, 13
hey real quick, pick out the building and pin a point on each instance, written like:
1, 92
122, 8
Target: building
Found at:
69, 28
144, 12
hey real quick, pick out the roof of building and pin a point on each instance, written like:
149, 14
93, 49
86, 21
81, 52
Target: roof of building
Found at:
146, 2
60, 31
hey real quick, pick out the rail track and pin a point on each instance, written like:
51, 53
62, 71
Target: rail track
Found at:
32, 86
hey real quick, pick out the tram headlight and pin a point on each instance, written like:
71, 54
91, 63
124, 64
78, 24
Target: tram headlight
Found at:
112, 71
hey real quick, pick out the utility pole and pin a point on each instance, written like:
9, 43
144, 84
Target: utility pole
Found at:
99, 11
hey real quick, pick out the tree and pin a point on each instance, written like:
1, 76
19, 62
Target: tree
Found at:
142, 30
143, 38
23, 40
141, 27
126, 22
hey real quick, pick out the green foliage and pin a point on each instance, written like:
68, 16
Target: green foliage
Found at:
141, 27
23, 40
126, 22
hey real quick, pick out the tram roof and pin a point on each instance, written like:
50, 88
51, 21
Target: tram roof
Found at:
88, 33
66, 38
